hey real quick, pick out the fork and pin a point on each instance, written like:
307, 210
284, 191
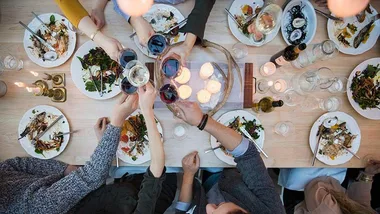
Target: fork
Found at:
328, 15
54, 34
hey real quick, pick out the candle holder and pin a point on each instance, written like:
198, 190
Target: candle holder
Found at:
55, 94
57, 79
43, 87
279, 86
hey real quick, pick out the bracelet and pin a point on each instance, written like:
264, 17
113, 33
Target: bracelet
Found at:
364, 177
203, 122
94, 34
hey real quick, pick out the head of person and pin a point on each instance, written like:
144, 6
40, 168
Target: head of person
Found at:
225, 208
348, 206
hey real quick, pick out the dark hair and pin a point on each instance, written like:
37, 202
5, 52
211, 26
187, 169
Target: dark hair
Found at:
237, 211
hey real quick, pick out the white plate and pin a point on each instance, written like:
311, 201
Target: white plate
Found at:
35, 25
62, 125
373, 114
351, 125
235, 8
152, 10
226, 119
374, 35
141, 159
77, 72
310, 15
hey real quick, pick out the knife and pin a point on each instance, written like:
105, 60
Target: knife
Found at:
43, 23
212, 149
232, 17
363, 32
242, 129
39, 38
42, 133
319, 134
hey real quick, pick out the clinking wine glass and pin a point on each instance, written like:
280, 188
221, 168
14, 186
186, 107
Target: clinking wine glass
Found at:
157, 44
171, 66
169, 95
135, 75
127, 55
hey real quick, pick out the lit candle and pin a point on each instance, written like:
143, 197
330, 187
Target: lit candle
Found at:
35, 90
207, 70
184, 76
34, 73
279, 86
185, 91
268, 69
213, 86
203, 96
20, 84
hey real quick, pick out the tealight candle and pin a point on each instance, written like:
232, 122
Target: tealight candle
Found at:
203, 96
207, 70
185, 91
268, 69
35, 90
213, 86
184, 76
279, 86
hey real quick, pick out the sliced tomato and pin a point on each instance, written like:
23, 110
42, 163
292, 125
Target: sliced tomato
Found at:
124, 138
125, 149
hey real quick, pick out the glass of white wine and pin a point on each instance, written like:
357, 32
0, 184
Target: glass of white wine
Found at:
269, 19
137, 73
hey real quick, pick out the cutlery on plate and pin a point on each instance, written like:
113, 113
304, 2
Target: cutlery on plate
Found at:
39, 38
96, 86
212, 149
101, 82
328, 15
245, 132
348, 150
47, 129
363, 32
319, 135
232, 17
62, 134
166, 32
54, 34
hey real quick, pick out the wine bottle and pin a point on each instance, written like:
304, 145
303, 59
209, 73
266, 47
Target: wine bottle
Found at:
289, 54
266, 105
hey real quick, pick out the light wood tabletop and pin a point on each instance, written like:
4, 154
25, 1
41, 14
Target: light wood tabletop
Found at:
82, 112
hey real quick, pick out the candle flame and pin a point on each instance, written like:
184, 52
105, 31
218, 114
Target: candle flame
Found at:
270, 83
29, 89
34, 73
20, 84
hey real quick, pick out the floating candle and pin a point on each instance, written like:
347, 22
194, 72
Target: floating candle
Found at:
279, 86
207, 70
203, 96
268, 69
185, 91
184, 76
213, 86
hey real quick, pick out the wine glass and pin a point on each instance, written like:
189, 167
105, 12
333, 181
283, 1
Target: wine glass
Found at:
291, 97
157, 44
269, 19
169, 95
339, 85
127, 87
171, 66
312, 103
126, 55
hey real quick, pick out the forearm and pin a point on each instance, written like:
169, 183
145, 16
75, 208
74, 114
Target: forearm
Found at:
155, 145
88, 27
73, 10
360, 191
34, 166
186, 194
229, 138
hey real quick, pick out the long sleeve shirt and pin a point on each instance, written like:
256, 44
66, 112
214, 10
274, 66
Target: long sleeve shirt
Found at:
73, 10
30, 185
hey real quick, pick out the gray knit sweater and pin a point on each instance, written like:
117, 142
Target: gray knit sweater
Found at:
30, 185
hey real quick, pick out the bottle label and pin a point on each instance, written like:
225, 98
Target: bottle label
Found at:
281, 61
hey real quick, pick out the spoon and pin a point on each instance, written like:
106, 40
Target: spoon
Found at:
50, 56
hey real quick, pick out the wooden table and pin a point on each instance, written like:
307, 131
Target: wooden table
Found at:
82, 112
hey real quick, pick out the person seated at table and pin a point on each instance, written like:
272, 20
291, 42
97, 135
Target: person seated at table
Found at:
194, 27
326, 195
247, 189
91, 24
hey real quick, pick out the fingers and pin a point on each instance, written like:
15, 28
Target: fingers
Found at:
104, 123
197, 160
98, 123
122, 99
119, 45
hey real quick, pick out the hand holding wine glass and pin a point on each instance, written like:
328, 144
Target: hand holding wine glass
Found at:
123, 108
147, 95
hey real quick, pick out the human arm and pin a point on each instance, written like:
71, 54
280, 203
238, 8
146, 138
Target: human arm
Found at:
97, 13
34, 166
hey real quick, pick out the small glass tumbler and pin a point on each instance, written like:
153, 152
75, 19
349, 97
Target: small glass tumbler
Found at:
284, 128
10, 63
264, 85
239, 50
339, 86
330, 104
3, 88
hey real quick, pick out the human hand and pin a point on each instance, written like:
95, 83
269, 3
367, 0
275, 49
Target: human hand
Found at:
373, 167
143, 29
97, 16
123, 108
184, 49
190, 164
110, 45
100, 127
147, 95
190, 112
69, 169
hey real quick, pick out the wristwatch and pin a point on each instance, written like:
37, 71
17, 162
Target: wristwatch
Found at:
364, 177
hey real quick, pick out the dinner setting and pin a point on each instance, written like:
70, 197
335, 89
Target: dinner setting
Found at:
190, 106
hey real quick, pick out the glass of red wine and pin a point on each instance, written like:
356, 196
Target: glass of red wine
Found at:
171, 66
169, 95
127, 55
157, 44
127, 87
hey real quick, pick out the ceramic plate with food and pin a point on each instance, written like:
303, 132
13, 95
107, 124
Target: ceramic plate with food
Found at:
64, 42
355, 35
299, 22
134, 144
363, 88
35, 121
90, 66
234, 120
335, 130
242, 9
162, 17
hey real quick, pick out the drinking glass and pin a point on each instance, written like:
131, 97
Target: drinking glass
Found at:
157, 44
127, 87
292, 98
263, 86
171, 66
269, 19
239, 50
3, 88
137, 73
310, 103
169, 95
339, 85
10, 63
284, 128
330, 104
126, 55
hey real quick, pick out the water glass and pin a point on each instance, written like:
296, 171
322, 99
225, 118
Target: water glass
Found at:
292, 98
239, 50
263, 86
284, 128
330, 104
3, 88
10, 63
339, 86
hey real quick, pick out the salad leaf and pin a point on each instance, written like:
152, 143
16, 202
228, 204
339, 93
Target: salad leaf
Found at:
84, 65
52, 20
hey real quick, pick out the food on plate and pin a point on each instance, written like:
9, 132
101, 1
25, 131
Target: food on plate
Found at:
251, 126
38, 124
247, 10
133, 137
161, 21
352, 28
363, 35
249, 28
98, 67
365, 87
60, 42
334, 138
296, 30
